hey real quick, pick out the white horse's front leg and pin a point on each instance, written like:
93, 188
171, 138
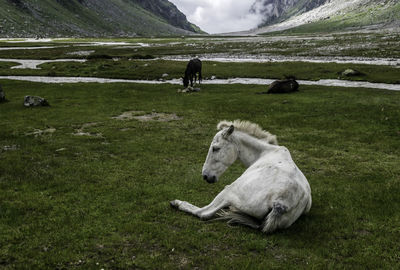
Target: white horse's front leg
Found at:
204, 213
184, 206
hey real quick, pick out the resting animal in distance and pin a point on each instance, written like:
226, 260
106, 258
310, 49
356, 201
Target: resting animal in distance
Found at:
288, 85
271, 194
192, 69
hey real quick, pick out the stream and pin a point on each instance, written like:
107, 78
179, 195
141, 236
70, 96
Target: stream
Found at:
244, 81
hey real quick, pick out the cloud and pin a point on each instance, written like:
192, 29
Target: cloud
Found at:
219, 16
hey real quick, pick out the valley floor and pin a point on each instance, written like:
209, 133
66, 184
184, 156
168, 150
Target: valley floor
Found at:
86, 182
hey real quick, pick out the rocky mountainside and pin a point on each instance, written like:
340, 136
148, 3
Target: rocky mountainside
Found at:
274, 11
327, 15
91, 18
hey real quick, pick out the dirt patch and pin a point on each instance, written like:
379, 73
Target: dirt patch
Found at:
39, 132
128, 115
81, 131
141, 116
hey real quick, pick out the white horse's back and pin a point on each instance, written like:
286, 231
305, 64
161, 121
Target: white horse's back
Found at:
274, 178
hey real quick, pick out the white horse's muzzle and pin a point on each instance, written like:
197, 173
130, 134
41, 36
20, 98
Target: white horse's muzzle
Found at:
210, 179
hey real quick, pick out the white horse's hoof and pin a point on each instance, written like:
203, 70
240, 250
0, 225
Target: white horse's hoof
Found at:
175, 203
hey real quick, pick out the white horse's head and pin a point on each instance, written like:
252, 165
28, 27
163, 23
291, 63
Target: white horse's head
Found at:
222, 153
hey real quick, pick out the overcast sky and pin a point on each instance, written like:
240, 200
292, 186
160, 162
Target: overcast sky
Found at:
219, 16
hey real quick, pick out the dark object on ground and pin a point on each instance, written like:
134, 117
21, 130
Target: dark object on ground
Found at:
351, 72
140, 56
2, 95
32, 101
287, 85
192, 68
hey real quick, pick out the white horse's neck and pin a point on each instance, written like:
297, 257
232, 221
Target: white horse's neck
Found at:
250, 149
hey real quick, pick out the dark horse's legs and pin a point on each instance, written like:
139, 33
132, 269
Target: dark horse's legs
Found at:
196, 77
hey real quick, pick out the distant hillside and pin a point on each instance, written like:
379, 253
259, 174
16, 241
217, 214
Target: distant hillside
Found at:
91, 18
326, 15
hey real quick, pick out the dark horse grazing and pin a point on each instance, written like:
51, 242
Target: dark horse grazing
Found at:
192, 68
287, 85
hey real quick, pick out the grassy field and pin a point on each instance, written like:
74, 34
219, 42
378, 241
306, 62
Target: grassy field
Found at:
154, 70
101, 200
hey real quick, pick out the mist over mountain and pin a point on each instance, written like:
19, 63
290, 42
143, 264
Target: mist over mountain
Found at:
92, 18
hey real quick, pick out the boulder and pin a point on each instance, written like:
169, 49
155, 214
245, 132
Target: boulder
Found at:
33, 101
351, 72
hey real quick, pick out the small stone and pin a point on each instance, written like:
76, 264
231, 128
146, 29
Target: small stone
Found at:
33, 101
351, 72
10, 147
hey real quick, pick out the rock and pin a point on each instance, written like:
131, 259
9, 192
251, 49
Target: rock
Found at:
351, 72
9, 147
189, 90
165, 75
33, 101
2, 95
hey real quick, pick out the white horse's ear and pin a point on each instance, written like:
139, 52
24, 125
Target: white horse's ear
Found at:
228, 132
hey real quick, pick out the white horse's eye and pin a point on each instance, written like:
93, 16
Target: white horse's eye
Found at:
215, 149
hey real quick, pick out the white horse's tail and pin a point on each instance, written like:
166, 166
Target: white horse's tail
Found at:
277, 218
271, 222
235, 217
274, 220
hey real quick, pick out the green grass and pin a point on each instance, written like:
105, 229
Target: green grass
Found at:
382, 45
154, 69
102, 201
105, 199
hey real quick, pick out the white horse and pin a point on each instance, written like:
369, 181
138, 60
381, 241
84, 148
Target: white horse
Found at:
271, 194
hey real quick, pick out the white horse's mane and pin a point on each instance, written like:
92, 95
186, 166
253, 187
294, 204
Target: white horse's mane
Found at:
250, 128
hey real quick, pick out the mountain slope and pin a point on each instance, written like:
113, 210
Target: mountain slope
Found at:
274, 11
91, 18
333, 15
